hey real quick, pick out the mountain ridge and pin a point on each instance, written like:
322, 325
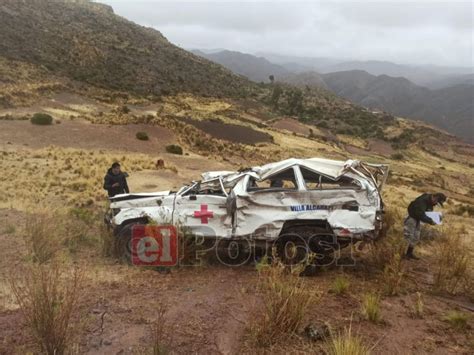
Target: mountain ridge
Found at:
87, 42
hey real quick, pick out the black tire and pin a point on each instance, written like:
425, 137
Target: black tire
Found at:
317, 240
233, 253
123, 242
292, 248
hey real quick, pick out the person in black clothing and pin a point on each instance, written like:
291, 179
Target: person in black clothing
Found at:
115, 181
417, 214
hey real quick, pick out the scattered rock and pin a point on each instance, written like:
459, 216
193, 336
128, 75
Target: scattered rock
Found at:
160, 164
316, 332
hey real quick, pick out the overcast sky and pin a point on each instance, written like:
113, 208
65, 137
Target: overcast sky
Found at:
420, 32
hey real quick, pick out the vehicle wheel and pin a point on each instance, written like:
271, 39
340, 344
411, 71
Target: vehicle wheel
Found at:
316, 240
233, 253
323, 244
123, 242
292, 248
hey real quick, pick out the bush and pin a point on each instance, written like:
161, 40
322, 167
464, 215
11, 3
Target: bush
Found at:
397, 156
286, 299
42, 119
48, 298
340, 285
42, 236
123, 109
347, 344
143, 136
457, 320
387, 252
452, 260
464, 209
418, 306
174, 149
371, 307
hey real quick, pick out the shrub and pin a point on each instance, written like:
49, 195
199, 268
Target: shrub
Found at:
42, 236
123, 109
107, 242
286, 299
323, 124
464, 209
161, 344
48, 299
174, 149
371, 307
457, 320
41, 119
143, 136
340, 285
347, 344
387, 253
418, 306
452, 263
79, 228
397, 156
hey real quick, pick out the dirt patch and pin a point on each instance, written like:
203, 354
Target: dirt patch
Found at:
231, 132
380, 147
80, 134
61, 105
376, 146
291, 125
356, 150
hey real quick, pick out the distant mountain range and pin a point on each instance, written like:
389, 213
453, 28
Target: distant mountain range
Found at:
446, 101
449, 108
430, 76
255, 68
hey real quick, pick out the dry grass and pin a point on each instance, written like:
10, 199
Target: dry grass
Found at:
370, 308
286, 298
161, 344
418, 307
387, 253
346, 343
48, 298
340, 285
62, 176
43, 238
452, 263
457, 320
51, 233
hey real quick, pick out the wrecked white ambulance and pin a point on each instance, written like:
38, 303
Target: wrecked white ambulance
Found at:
311, 203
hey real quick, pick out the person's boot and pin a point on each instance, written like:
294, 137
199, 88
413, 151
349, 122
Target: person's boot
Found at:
410, 254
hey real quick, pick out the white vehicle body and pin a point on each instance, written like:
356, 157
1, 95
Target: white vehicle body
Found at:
261, 202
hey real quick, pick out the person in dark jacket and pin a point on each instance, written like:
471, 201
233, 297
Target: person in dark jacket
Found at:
416, 214
115, 181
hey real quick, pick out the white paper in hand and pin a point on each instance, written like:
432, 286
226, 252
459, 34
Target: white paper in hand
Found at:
437, 217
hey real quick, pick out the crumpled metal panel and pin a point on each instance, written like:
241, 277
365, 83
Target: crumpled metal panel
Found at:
256, 210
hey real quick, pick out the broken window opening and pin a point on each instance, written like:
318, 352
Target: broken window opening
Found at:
206, 188
315, 181
282, 181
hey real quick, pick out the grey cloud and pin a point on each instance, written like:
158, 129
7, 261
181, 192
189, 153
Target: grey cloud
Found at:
454, 15
405, 32
245, 17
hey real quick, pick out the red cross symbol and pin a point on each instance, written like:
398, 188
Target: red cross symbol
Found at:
204, 214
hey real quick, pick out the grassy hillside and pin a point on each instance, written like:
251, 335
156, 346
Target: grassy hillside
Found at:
87, 42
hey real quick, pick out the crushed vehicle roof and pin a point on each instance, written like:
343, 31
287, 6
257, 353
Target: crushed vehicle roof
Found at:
331, 168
